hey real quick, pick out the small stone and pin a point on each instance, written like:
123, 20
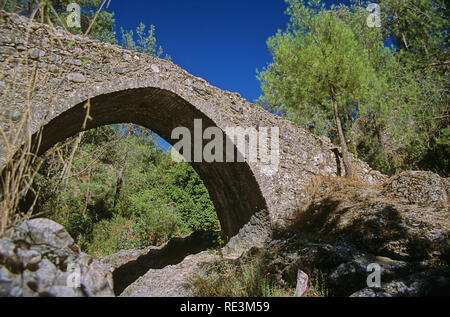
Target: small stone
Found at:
29, 258
54, 59
238, 109
46, 273
4, 38
85, 259
7, 248
60, 291
8, 281
126, 57
7, 50
75, 62
201, 90
36, 54
15, 292
76, 77
53, 69
122, 70
5, 275
155, 68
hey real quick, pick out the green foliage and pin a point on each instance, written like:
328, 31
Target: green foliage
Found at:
317, 54
393, 103
112, 235
171, 182
102, 29
418, 27
157, 199
146, 42
318, 284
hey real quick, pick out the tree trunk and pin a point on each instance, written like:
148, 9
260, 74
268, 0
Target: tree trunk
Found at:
88, 193
348, 166
67, 167
120, 180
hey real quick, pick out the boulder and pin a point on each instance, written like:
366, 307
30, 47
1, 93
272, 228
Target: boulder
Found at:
39, 258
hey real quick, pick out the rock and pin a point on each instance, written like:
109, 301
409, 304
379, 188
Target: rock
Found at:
75, 62
53, 69
418, 187
172, 280
9, 282
122, 70
36, 54
7, 248
46, 274
36, 257
129, 266
42, 232
97, 281
15, 115
61, 291
348, 226
29, 258
434, 283
8, 257
201, 90
85, 259
7, 50
76, 77
379, 221
155, 68
302, 283
126, 56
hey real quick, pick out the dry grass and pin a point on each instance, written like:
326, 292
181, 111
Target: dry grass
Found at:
339, 188
19, 137
249, 277
238, 280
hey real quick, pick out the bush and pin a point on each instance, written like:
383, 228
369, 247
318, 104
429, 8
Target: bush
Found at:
156, 199
111, 236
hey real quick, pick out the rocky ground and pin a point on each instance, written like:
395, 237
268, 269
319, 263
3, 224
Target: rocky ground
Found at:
39, 258
402, 225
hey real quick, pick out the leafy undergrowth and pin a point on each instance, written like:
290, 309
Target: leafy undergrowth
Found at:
122, 191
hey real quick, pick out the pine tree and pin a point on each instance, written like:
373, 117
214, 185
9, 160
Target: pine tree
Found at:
319, 67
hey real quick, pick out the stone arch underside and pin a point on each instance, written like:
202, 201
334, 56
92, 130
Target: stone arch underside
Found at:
232, 186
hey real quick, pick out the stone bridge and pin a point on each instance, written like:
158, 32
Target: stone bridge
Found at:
48, 75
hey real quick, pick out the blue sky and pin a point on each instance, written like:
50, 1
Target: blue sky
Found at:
224, 42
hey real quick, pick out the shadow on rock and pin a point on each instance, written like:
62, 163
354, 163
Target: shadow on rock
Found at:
173, 252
